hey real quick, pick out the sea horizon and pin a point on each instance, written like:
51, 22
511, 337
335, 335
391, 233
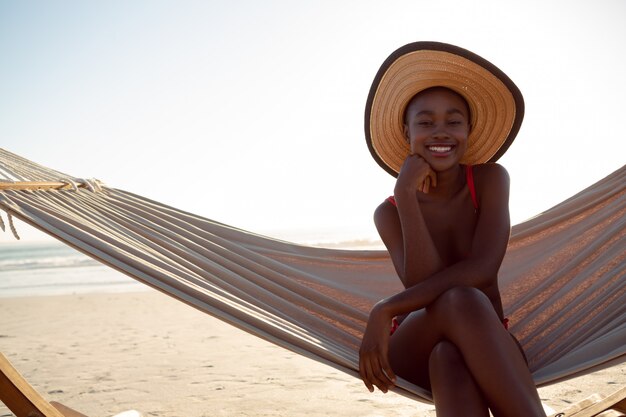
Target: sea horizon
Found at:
49, 267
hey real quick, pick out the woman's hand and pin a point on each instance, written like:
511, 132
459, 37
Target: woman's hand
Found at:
374, 365
416, 174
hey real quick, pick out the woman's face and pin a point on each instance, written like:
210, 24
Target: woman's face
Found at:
437, 124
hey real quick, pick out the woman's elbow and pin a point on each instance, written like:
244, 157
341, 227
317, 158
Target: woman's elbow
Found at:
485, 273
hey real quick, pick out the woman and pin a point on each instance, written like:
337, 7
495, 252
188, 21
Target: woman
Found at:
436, 115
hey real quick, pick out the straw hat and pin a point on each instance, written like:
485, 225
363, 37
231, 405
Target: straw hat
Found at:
496, 104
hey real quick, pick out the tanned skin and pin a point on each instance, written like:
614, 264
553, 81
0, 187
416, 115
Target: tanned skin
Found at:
447, 255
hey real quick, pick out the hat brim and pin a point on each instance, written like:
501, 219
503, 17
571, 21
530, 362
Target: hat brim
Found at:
496, 104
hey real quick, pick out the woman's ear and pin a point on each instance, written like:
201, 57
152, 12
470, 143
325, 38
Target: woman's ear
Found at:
405, 130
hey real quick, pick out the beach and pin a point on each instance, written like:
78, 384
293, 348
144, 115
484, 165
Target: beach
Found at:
91, 338
104, 353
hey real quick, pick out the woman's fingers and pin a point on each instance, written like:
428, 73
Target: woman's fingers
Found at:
363, 371
373, 374
380, 378
430, 180
426, 185
433, 177
386, 367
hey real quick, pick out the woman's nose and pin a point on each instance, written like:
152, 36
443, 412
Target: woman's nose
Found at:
440, 133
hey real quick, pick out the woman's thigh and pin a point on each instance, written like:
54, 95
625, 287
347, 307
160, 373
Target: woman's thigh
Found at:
410, 347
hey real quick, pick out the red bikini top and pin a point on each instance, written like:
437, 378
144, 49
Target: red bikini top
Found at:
469, 177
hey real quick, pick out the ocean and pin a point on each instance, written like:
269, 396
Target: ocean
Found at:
52, 268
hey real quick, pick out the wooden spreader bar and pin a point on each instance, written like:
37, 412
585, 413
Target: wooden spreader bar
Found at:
38, 185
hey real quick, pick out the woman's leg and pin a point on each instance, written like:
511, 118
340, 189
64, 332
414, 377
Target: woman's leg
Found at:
465, 317
469, 321
454, 390
418, 349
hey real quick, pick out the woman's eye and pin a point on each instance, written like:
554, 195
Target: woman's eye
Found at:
424, 123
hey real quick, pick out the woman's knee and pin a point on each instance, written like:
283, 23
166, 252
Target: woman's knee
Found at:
461, 303
445, 355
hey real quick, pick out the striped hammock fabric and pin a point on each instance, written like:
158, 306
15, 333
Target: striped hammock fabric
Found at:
562, 280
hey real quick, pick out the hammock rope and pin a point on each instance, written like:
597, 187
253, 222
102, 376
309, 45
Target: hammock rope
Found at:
562, 279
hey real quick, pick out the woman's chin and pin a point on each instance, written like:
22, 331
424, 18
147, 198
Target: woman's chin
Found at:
443, 164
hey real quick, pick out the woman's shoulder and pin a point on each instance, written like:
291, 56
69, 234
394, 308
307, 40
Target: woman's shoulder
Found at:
492, 185
490, 168
490, 173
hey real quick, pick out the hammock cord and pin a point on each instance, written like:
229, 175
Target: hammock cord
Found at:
11, 225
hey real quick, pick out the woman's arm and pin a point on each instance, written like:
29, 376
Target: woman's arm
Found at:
403, 229
480, 267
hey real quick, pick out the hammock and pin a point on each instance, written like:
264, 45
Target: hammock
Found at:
562, 280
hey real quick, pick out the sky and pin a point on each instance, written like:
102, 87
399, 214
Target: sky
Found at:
251, 112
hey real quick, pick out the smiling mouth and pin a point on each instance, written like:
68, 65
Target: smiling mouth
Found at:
440, 149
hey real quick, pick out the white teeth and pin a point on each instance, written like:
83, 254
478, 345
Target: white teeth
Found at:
440, 149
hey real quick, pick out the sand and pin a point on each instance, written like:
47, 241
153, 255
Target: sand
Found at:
105, 353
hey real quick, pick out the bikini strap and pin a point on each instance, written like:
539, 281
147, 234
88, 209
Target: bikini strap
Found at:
469, 177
